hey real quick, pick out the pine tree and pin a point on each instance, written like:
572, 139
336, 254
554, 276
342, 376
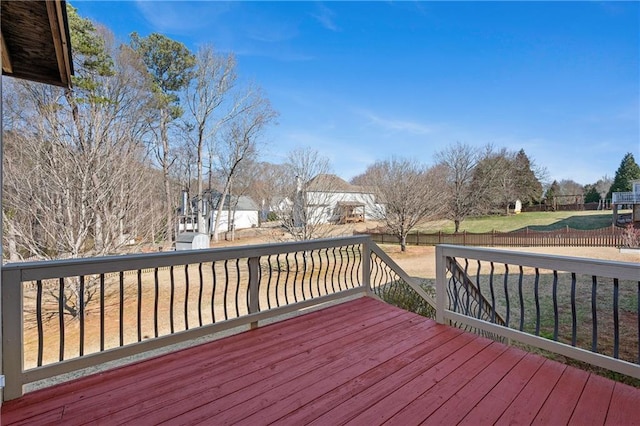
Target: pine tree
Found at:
626, 173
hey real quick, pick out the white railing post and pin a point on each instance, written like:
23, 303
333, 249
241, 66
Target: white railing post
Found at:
12, 340
441, 283
366, 266
254, 287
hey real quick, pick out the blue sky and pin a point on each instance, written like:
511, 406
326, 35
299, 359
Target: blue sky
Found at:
363, 81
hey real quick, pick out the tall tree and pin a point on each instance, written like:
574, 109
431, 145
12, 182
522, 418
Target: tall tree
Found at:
169, 65
76, 169
627, 172
459, 161
409, 192
214, 78
308, 186
240, 142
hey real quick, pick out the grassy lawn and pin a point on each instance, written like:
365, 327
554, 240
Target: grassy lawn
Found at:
538, 221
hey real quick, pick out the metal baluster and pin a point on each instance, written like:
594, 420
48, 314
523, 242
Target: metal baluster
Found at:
186, 297
39, 321
213, 292
269, 283
121, 319
61, 300
139, 305
536, 292
171, 297
81, 299
156, 299
101, 312
506, 294
616, 323
555, 306
226, 287
594, 313
493, 296
521, 299
200, 291
574, 320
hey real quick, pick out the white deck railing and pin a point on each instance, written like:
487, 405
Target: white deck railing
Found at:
63, 316
625, 198
585, 309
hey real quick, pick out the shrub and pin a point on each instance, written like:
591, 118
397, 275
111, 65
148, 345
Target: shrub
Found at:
631, 236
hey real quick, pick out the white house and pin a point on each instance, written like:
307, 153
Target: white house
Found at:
330, 199
244, 214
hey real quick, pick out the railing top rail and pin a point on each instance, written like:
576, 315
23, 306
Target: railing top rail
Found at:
98, 265
579, 265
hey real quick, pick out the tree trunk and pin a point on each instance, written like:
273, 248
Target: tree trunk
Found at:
456, 223
165, 174
403, 243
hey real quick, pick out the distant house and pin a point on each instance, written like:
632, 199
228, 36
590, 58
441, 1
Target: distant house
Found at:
631, 199
244, 214
330, 199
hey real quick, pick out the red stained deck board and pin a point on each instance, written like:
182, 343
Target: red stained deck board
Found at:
593, 404
234, 346
359, 393
237, 406
504, 393
457, 407
438, 387
528, 402
338, 386
624, 408
361, 362
164, 370
239, 384
194, 386
565, 394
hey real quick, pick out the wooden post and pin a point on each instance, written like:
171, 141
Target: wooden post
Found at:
12, 338
254, 288
366, 266
441, 282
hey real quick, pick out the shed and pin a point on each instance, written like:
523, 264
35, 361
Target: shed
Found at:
192, 241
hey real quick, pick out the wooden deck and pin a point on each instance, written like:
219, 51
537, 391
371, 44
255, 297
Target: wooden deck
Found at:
361, 362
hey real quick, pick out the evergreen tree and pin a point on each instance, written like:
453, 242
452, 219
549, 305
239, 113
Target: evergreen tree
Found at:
591, 194
626, 173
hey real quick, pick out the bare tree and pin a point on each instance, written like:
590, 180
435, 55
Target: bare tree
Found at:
239, 143
75, 163
603, 185
308, 189
409, 193
461, 196
266, 185
214, 78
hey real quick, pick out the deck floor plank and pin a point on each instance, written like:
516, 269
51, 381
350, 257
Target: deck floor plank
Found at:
505, 392
565, 394
439, 386
593, 405
354, 358
354, 396
528, 403
623, 397
329, 388
360, 362
233, 347
463, 401
223, 371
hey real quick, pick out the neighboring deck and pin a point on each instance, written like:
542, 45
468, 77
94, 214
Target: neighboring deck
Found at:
363, 362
